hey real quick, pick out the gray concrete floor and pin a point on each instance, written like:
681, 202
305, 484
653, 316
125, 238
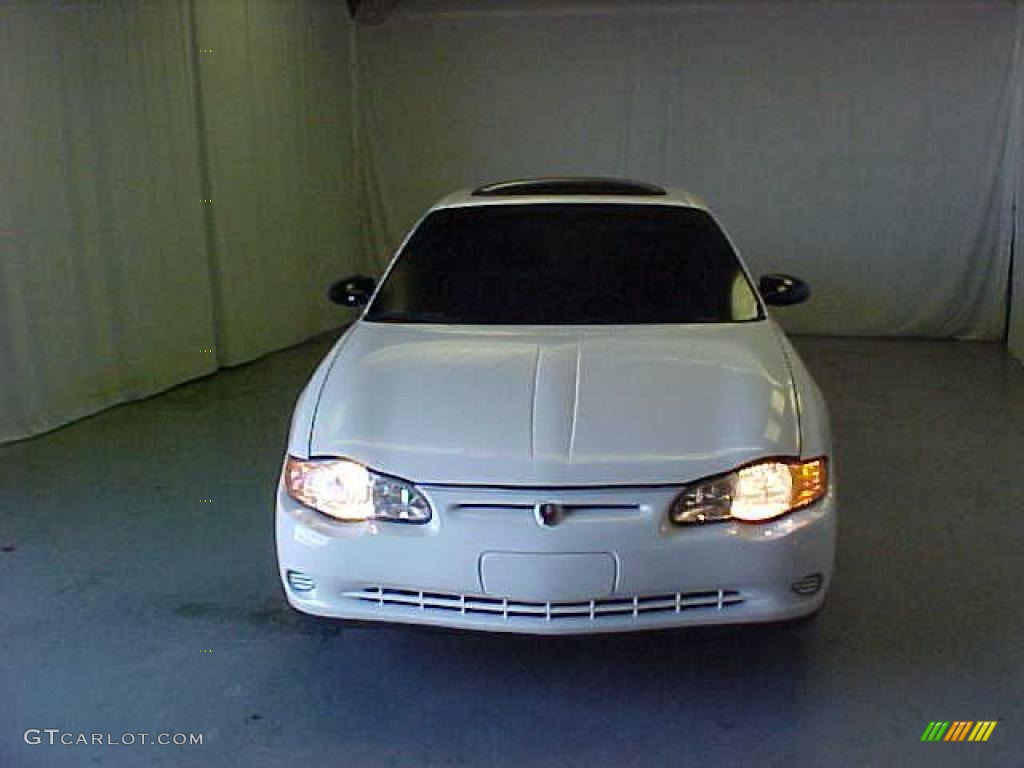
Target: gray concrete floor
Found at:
129, 604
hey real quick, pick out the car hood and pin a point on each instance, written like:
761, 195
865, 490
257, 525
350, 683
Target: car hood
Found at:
557, 406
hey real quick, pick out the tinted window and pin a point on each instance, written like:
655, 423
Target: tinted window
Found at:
566, 264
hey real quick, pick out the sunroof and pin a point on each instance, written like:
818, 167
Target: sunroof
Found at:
569, 186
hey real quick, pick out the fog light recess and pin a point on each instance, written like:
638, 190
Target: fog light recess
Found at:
807, 585
300, 582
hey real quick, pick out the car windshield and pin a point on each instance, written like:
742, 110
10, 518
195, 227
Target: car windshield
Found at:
566, 264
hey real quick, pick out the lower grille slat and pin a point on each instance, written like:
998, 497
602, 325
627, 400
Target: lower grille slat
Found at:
593, 610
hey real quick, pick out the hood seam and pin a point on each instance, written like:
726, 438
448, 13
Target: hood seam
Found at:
782, 341
323, 383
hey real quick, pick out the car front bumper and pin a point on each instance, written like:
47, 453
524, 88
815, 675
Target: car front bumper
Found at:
612, 564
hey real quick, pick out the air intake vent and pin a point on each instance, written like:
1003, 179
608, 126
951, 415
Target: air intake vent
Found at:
300, 582
677, 602
808, 585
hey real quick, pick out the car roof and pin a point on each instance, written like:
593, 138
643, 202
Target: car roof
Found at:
570, 189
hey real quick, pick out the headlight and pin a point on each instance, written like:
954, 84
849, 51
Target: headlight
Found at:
349, 491
753, 493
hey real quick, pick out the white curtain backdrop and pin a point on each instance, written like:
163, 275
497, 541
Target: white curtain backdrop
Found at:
871, 147
864, 146
277, 111
104, 279
1015, 320
116, 279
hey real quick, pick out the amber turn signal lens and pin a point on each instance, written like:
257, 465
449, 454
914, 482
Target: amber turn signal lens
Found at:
810, 482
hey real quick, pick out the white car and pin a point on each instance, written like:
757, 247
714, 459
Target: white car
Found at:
564, 409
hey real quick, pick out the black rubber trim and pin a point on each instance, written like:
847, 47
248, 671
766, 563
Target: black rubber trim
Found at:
582, 185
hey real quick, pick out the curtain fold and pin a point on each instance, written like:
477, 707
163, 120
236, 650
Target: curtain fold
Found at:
1015, 159
104, 294
175, 193
277, 105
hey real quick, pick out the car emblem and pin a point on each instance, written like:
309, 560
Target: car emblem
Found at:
548, 513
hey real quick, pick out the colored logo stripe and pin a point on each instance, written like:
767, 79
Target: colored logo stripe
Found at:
958, 730
982, 730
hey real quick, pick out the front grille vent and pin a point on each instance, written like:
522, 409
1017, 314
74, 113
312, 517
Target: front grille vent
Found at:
635, 606
808, 585
300, 582
514, 507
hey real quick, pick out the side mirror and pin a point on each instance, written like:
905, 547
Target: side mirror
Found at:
353, 291
783, 290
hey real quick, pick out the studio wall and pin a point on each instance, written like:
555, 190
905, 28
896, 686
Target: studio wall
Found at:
864, 146
175, 193
104, 280
277, 101
181, 179
1015, 339
1015, 318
